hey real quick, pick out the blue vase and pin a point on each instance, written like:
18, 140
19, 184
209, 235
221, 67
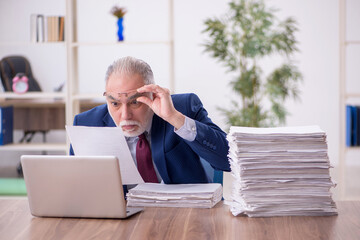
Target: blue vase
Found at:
120, 29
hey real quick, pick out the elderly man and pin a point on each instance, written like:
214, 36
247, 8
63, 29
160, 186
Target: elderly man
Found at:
166, 134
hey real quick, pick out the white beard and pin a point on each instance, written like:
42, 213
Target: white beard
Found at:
132, 132
141, 127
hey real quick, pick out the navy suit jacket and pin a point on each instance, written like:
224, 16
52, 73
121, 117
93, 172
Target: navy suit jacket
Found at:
177, 160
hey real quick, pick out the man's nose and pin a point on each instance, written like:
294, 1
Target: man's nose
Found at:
126, 113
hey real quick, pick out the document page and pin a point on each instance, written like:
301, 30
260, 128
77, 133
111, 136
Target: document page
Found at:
105, 141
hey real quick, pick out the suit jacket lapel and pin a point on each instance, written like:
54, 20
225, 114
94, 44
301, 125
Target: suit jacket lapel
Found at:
157, 147
108, 121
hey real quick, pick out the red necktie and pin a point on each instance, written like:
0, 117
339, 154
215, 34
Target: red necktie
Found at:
144, 161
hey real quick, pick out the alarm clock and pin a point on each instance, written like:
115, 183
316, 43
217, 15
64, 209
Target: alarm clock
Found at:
20, 83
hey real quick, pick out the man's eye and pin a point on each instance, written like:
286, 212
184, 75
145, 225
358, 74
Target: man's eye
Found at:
115, 104
134, 102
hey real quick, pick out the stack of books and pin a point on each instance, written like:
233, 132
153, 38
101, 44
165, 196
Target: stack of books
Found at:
280, 172
47, 28
175, 195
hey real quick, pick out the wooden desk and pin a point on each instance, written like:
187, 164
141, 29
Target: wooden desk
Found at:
16, 222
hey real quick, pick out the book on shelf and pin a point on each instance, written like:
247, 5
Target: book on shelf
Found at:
357, 132
354, 125
47, 28
37, 28
33, 28
61, 29
40, 28
6, 125
348, 126
352, 133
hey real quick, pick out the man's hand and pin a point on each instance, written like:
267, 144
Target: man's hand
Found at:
162, 104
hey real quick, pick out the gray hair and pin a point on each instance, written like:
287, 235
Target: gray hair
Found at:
129, 66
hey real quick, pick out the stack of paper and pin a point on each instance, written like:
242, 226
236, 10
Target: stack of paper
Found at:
280, 172
175, 195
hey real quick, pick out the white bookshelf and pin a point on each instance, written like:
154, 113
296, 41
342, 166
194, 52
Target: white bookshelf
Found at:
61, 147
130, 43
32, 96
72, 96
344, 95
30, 44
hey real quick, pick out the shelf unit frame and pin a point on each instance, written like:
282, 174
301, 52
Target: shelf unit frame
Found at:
344, 96
72, 46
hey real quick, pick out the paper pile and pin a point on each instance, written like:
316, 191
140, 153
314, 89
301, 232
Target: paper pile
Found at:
174, 195
280, 172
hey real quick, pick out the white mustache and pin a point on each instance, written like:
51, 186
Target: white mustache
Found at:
129, 122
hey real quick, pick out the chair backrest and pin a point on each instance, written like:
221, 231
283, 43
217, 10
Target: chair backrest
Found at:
218, 176
10, 66
215, 176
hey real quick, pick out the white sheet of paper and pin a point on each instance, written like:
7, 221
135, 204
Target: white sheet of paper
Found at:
182, 189
105, 141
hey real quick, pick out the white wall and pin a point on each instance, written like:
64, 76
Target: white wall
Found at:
318, 60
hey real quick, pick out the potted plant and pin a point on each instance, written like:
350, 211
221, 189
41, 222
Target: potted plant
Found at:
239, 40
119, 12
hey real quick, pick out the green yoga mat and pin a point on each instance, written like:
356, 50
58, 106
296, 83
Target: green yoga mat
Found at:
12, 187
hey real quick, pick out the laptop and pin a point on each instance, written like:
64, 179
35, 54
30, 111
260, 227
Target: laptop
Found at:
75, 186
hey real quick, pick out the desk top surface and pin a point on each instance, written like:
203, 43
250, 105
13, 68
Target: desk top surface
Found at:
16, 222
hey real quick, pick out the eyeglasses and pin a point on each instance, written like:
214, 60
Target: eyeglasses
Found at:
116, 100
